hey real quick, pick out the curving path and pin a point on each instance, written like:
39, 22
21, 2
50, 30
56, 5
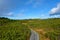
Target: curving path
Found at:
34, 35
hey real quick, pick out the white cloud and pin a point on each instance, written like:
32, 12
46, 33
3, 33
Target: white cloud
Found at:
42, 15
10, 14
55, 10
55, 16
7, 6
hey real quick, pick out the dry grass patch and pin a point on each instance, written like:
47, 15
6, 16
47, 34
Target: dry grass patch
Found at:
41, 33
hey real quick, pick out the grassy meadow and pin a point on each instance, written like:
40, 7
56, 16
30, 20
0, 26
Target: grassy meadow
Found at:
13, 30
48, 29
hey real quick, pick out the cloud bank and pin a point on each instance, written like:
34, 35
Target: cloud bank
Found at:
5, 7
55, 10
8, 6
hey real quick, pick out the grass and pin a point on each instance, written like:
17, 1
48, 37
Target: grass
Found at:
48, 29
13, 30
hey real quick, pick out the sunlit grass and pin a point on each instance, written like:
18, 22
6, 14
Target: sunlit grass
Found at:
13, 30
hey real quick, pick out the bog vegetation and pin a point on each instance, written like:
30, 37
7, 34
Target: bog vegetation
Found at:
13, 30
48, 29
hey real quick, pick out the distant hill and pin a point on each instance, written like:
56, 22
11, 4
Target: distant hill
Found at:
3, 18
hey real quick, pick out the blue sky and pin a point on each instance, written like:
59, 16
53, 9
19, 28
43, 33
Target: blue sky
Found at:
27, 9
